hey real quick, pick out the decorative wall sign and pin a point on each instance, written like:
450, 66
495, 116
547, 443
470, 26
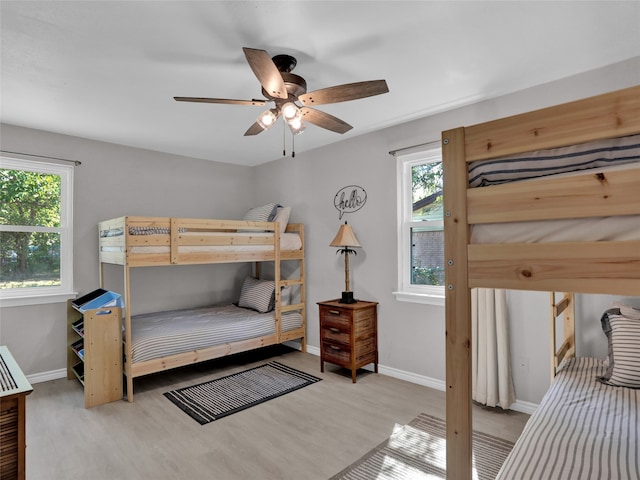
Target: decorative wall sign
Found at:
349, 199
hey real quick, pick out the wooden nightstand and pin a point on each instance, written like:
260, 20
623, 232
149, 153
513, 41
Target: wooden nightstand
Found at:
349, 334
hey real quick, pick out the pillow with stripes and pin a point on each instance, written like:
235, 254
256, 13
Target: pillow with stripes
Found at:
258, 295
264, 213
624, 350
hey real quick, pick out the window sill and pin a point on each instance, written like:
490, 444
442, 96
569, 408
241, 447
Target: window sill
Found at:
424, 298
22, 301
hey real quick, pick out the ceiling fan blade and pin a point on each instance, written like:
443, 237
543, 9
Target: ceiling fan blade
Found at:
343, 93
254, 129
324, 120
220, 100
266, 71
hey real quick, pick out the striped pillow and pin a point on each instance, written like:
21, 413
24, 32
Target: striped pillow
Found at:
258, 295
265, 213
624, 350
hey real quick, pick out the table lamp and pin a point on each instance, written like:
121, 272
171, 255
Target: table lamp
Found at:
346, 241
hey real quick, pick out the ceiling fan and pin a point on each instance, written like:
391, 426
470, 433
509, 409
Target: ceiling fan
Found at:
287, 90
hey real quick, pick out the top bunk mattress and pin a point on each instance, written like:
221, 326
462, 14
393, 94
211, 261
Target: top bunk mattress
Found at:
582, 429
288, 242
589, 229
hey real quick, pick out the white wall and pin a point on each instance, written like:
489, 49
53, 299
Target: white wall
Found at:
411, 336
115, 180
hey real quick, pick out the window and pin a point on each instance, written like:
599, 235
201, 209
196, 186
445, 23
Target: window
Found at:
35, 232
420, 227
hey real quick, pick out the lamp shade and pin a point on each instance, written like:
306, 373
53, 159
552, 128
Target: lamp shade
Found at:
345, 237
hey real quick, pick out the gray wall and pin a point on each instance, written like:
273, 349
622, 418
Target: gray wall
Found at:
411, 336
115, 180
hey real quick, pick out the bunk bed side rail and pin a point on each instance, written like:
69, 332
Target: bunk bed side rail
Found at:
590, 194
610, 115
586, 267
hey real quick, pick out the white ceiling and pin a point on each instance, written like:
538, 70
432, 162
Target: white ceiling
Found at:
109, 70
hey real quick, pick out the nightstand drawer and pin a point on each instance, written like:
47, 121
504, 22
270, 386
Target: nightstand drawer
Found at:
336, 317
338, 354
336, 334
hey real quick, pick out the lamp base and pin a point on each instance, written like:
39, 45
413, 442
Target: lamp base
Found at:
347, 297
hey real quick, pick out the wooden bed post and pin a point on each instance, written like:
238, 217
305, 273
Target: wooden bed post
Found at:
128, 348
277, 273
457, 307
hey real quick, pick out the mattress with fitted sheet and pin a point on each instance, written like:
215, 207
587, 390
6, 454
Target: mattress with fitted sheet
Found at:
288, 241
582, 429
156, 335
616, 228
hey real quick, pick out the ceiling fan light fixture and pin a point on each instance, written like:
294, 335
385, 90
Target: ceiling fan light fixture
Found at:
290, 111
267, 118
297, 126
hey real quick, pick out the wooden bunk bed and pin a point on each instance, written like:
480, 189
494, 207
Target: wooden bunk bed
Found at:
134, 242
603, 266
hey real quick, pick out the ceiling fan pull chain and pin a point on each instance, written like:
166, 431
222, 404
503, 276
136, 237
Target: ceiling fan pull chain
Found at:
293, 146
284, 141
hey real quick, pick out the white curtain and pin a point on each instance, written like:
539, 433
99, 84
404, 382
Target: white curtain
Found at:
492, 384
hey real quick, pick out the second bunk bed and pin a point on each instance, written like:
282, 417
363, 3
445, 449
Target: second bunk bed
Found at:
268, 311
574, 232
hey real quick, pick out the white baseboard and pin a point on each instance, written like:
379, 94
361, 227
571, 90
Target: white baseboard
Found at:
517, 406
313, 350
524, 407
46, 376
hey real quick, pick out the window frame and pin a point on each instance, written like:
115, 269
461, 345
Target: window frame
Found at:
41, 295
408, 292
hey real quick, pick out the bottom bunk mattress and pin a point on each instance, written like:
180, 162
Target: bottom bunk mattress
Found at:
156, 335
583, 429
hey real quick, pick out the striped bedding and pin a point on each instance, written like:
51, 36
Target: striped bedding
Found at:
156, 335
583, 429
596, 154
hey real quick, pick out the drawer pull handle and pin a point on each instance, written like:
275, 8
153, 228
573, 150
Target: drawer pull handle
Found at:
333, 347
334, 312
334, 330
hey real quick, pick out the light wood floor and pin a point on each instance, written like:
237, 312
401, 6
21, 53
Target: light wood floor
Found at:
310, 434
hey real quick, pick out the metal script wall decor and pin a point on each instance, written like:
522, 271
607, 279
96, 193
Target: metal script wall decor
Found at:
349, 199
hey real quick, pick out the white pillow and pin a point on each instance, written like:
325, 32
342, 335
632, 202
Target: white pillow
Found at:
282, 216
628, 311
257, 294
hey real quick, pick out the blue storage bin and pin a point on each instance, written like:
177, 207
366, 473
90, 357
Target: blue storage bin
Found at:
98, 299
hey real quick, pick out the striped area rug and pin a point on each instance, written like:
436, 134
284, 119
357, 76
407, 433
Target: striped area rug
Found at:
417, 451
218, 398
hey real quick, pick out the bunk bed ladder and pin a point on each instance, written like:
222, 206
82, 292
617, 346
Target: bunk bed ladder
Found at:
565, 308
